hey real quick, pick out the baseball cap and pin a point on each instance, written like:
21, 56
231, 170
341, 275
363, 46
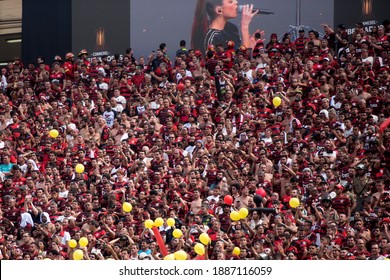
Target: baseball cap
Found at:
322, 178
385, 220
103, 86
326, 197
142, 255
360, 167
306, 169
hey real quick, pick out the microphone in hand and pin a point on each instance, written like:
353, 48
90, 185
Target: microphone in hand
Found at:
259, 11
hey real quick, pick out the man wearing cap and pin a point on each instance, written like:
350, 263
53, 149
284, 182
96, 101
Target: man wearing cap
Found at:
361, 186
83, 54
328, 212
306, 177
69, 66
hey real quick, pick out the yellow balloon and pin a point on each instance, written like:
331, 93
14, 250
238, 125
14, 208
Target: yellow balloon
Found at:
294, 202
54, 133
127, 207
79, 168
149, 223
72, 243
277, 101
234, 215
78, 255
236, 251
177, 233
47, 259
170, 257
180, 255
204, 238
158, 222
199, 249
243, 213
171, 222
83, 242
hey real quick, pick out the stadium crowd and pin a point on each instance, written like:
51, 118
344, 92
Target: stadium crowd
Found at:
175, 138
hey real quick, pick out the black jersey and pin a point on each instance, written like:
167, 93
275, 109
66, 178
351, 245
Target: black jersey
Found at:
229, 33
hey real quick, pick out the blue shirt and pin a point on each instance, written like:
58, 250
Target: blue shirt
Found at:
6, 168
147, 251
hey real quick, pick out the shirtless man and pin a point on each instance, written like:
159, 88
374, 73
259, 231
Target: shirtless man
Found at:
243, 198
378, 197
313, 37
325, 87
287, 119
120, 135
269, 167
361, 94
196, 204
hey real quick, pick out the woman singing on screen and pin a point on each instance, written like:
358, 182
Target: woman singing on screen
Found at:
211, 24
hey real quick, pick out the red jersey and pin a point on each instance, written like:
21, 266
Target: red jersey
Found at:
69, 68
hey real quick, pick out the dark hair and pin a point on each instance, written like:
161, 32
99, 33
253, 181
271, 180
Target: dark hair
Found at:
16, 168
162, 46
95, 223
204, 12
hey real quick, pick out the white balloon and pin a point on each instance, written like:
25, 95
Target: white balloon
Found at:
332, 195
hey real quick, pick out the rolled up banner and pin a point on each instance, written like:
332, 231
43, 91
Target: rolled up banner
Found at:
160, 241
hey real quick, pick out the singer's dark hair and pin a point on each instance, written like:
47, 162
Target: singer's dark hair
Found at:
204, 14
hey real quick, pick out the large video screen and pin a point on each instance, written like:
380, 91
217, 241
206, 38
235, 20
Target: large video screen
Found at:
170, 21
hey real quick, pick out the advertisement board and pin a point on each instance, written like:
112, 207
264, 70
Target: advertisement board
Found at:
368, 12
